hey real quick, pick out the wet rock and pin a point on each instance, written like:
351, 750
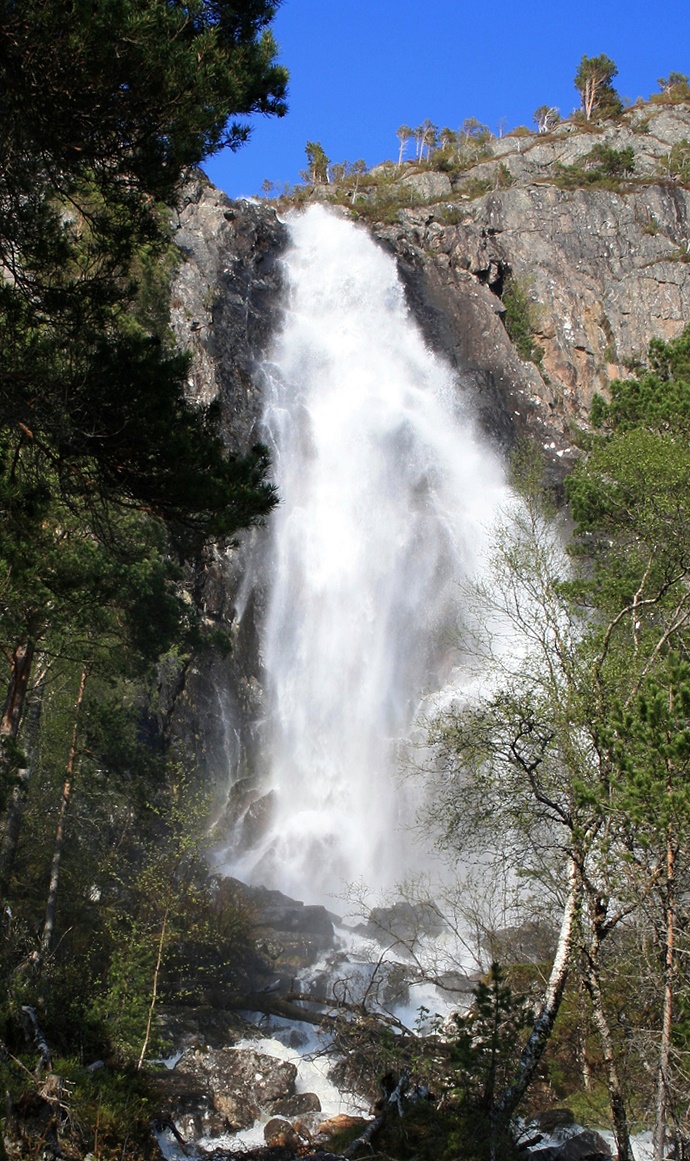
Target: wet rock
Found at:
291, 935
200, 1026
210, 1093
339, 1124
405, 921
225, 306
553, 1136
532, 942
456, 985
297, 1105
280, 1132
291, 1037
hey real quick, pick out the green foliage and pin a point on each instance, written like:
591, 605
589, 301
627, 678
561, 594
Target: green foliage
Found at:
601, 168
504, 178
473, 130
651, 742
658, 400
165, 79
593, 80
317, 162
106, 1114
674, 89
486, 1041
610, 162
676, 165
108, 476
521, 321
546, 117
474, 187
582, 741
385, 203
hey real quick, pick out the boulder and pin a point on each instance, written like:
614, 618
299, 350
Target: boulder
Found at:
297, 1105
553, 1136
280, 1132
210, 1093
339, 1124
406, 921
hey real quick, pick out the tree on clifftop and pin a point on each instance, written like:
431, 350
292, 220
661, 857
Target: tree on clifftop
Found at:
404, 133
317, 162
593, 80
546, 116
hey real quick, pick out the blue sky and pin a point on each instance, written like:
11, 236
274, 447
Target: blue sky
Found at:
360, 68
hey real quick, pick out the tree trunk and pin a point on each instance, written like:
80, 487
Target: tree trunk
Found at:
20, 671
618, 1113
667, 1014
589, 97
156, 974
51, 905
543, 1025
22, 658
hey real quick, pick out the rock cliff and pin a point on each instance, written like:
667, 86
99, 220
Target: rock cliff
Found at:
225, 305
604, 269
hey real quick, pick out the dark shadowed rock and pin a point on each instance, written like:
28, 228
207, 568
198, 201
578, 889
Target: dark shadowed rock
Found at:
297, 1105
405, 921
279, 1131
553, 1136
210, 1093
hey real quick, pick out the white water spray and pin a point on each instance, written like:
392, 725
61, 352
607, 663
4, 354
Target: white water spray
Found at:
387, 499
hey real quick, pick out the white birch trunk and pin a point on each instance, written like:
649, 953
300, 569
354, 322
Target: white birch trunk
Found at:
543, 1025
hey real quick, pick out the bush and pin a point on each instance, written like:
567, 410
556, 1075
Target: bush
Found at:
601, 168
520, 321
676, 164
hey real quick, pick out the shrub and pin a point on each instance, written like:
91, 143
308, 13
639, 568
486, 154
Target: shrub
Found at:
520, 321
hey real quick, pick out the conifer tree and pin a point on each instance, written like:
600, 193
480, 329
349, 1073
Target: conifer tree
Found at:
593, 80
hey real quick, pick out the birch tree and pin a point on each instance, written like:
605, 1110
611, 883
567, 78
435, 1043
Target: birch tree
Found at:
526, 762
404, 133
546, 116
511, 764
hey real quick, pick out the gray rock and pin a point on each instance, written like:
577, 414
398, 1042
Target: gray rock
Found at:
225, 306
225, 1090
406, 921
297, 1105
553, 1136
428, 186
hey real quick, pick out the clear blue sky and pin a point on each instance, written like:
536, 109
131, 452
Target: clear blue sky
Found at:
360, 68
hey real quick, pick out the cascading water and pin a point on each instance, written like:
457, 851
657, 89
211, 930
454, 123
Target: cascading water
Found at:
387, 496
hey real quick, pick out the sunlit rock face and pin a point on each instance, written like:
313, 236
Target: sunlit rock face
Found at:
605, 271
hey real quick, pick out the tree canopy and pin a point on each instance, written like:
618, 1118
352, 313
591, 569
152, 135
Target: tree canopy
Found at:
109, 475
593, 80
574, 761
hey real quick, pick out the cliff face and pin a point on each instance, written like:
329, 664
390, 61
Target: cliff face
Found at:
603, 270
225, 307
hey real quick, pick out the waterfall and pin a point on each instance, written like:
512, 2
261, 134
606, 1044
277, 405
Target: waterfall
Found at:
387, 497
